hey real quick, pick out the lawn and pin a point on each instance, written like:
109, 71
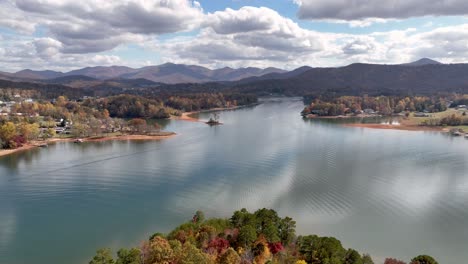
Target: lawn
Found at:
412, 120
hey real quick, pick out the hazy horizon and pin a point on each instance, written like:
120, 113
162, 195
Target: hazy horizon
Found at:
165, 63
66, 35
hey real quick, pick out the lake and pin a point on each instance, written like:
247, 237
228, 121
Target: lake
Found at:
385, 192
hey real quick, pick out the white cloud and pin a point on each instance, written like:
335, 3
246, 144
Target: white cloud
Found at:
250, 36
265, 46
363, 9
44, 53
449, 44
47, 47
365, 22
247, 19
78, 34
359, 46
11, 17
93, 26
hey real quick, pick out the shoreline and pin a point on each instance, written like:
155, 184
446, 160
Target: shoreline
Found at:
36, 144
312, 116
186, 115
402, 126
396, 127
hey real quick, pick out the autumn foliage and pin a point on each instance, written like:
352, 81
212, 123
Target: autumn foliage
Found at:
245, 238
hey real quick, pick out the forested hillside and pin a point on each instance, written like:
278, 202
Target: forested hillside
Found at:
371, 79
259, 237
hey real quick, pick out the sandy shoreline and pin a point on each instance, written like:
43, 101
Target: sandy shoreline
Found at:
402, 126
5, 152
186, 116
36, 144
312, 116
129, 137
396, 127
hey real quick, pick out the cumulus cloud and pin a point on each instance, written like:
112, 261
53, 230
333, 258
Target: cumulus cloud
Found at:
246, 19
44, 53
136, 16
93, 26
359, 46
11, 17
363, 9
47, 47
446, 43
88, 33
250, 34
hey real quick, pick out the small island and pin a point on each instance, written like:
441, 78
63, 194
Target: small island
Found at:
214, 120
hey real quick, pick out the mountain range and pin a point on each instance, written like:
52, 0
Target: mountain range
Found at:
168, 73
424, 76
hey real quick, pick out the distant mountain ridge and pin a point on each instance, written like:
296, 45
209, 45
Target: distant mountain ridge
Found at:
372, 79
37, 75
168, 73
422, 77
276, 75
422, 62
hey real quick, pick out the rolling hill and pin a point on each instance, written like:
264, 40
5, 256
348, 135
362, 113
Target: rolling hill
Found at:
422, 77
422, 62
369, 79
168, 73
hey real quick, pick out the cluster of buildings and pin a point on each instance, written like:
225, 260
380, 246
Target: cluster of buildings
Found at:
5, 107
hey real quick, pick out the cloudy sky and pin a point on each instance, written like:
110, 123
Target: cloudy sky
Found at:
70, 34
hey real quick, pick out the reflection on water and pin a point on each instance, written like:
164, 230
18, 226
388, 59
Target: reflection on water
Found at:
389, 193
393, 122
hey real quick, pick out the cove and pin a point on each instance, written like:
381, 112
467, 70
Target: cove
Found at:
388, 193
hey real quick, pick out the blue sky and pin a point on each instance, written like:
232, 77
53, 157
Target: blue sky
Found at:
67, 34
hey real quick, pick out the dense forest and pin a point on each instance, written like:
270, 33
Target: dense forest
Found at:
326, 105
44, 91
424, 107
359, 79
131, 106
245, 238
196, 92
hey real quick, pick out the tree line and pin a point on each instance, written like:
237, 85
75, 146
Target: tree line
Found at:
27, 121
259, 237
385, 105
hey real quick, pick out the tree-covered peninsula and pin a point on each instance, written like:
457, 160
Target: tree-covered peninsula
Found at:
245, 238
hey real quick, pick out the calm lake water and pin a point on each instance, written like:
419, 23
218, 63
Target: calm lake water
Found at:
388, 193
